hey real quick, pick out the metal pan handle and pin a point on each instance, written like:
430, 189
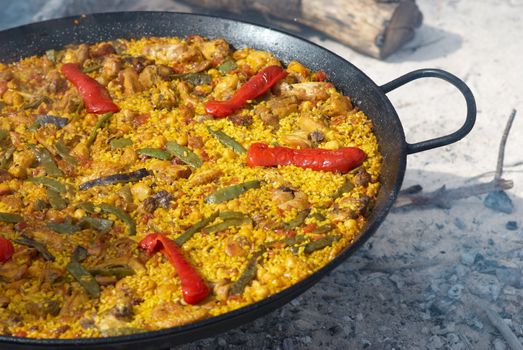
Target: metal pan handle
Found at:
460, 85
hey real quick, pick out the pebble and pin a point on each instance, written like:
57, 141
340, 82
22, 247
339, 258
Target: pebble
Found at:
475, 323
509, 275
222, 342
468, 258
499, 344
435, 342
459, 223
287, 344
454, 291
499, 201
484, 286
511, 225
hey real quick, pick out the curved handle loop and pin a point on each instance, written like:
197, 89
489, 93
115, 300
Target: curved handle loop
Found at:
460, 85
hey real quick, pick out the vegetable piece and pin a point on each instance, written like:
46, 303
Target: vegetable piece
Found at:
122, 215
98, 224
194, 78
96, 97
194, 288
133, 176
40, 205
64, 152
49, 183
298, 221
120, 143
180, 240
46, 160
99, 124
231, 192
320, 243
11, 218
248, 274
225, 224
6, 249
83, 277
66, 227
288, 241
56, 201
227, 66
184, 154
341, 160
79, 253
6, 157
35, 103
87, 206
43, 119
346, 187
92, 68
323, 229
117, 270
227, 141
154, 153
40, 247
232, 215
256, 86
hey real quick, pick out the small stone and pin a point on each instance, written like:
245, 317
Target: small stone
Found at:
499, 201
295, 302
475, 323
509, 275
499, 344
459, 223
468, 259
435, 342
222, 342
306, 339
454, 291
287, 344
511, 225
484, 286
359, 317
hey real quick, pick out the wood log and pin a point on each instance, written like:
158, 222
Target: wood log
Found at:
376, 28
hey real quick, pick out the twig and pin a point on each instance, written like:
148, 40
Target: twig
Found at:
502, 144
413, 197
501, 326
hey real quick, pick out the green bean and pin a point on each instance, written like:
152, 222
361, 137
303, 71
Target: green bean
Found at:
184, 154
346, 187
194, 78
298, 221
225, 224
98, 224
43, 119
289, 241
122, 215
318, 216
320, 243
33, 104
227, 65
56, 201
49, 183
64, 152
11, 218
195, 228
154, 153
117, 270
85, 279
231, 192
323, 229
46, 160
6, 157
228, 141
66, 227
99, 124
40, 205
120, 143
248, 274
232, 215
92, 68
132, 176
4, 134
40, 247
87, 206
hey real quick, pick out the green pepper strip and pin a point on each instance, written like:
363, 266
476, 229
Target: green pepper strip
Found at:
184, 237
346, 187
11, 218
320, 244
298, 221
120, 143
117, 270
231, 192
66, 227
194, 78
184, 154
99, 124
248, 274
227, 66
87, 206
92, 68
45, 158
40, 247
122, 215
154, 153
225, 224
64, 152
56, 201
98, 224
49, 183
83, 277
227, 141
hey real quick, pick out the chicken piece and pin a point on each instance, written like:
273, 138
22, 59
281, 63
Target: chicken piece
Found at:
312, 91
164, 169
215, 50
336, 104
288, 198
226, 87
54, 82
111, 67
70, 102
170, 314
130, 81
283, 106
22, 160
149, 76
298, 139
204, 177
100, 50
77, 54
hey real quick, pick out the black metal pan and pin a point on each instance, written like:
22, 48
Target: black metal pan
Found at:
34, 39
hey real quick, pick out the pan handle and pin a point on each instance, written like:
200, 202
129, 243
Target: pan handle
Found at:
460, 85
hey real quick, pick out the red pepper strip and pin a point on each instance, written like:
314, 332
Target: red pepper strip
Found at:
6, 249
194, 288
256, 86
96, 97
341, 160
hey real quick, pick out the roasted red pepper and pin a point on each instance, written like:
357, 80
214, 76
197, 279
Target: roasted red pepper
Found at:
96, 97
341, 160
256, 86
194, 288
6, 249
